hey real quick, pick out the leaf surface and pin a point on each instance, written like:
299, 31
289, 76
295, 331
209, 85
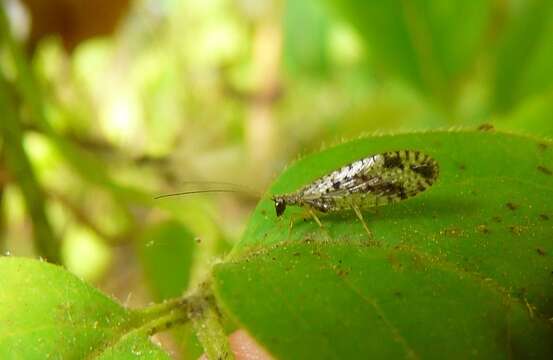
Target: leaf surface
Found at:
464, 268
46, 311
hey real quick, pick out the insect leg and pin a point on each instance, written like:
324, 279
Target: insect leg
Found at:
315, 217
360, 216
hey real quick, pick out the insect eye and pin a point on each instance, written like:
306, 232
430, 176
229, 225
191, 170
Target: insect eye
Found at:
280, 206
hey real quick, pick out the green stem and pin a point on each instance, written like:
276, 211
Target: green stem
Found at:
17, 160
2, 213
206, 321
168, 306
199, 308
26, 82
20, 168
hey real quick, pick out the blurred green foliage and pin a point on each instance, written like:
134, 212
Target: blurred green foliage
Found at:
232, 91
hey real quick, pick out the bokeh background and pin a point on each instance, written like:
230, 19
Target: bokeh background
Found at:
105, 104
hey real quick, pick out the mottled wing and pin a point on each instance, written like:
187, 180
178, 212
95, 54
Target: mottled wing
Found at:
374, 181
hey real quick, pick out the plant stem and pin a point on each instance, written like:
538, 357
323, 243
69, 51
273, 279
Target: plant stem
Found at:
168, 306
206, 320
199, 308
17, 160
20, 167
2, 189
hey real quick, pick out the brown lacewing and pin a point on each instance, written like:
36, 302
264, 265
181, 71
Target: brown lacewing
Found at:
369, 182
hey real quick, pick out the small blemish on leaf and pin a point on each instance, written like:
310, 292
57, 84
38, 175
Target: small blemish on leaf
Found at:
396, 264
544, 217
342, 273
516, 229
512, 206
453, 232
486, 127
544, 170
296, 254
540, 251
483, 229
496, 219
543, 146
462, 167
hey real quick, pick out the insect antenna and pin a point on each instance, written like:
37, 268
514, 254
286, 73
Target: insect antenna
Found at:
200, 187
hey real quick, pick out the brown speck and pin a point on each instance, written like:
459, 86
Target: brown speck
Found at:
263, 212
516, 229
398, 294
486, 127
540, 251
511, 206
274, 258
454, 232
483, 229
462, 167
544, 170
544, 217
543, 146
496, 219
342, 273
296, 254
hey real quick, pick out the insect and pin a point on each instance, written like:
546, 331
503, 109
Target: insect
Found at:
370, 182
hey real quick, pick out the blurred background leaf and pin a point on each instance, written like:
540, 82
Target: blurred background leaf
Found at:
167, 252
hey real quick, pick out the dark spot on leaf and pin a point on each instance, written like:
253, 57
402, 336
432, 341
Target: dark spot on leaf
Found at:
512, 206
486, 127
483, 229
543, 146
496, 219
462, 167
398, 294
274, 258
516, 229
296, 254
540, 251
392, 162
544, 217
544, 170
342, 273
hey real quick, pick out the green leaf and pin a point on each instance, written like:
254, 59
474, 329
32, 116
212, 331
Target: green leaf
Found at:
167, 251
426, 43
46, 311
464, 268
306, 32
525, 55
